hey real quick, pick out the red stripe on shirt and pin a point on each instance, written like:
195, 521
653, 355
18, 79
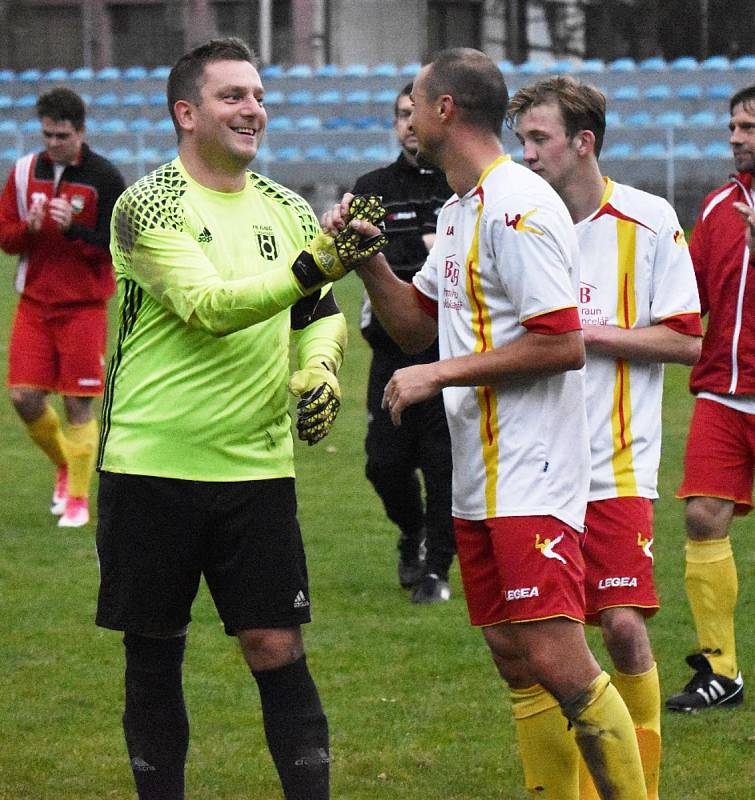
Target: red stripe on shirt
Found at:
563, 320
430, 307
689, 324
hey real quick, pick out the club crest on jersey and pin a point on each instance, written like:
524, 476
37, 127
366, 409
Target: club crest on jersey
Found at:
267, 246
547, 545
77, 203
679, 238
517, 222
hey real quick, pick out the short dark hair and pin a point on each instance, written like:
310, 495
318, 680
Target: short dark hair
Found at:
475, 83
745, 97
185, 79
405, 92
582, 106
61, 104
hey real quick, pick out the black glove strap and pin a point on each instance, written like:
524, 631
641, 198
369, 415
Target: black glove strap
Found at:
306, 272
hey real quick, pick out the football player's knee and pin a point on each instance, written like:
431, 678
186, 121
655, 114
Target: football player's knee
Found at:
707, 518
147, 654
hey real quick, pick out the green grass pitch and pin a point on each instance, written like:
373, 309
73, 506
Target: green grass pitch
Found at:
415, 707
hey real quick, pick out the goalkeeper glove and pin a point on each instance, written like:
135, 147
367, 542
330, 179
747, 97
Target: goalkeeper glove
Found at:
328, 258
320, 400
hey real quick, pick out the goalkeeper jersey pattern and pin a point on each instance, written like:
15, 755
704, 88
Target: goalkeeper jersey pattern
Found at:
505, 260
186, 397
636, 271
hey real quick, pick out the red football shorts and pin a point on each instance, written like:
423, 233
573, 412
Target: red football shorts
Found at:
720, 457
520, 569
58, 350
617, 548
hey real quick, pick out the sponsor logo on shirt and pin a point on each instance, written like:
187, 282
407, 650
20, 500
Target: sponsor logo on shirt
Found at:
300, 601
589, 313
522, 593
77, 203
205, 237
613, 583
646, 545
517, 222
267, 246
547, 545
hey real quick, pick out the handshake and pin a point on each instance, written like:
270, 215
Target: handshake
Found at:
329, 256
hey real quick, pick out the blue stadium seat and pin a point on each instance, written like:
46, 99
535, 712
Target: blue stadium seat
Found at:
384, 70
317, 152
618, 150
82, 74
26, 101
113, 125
337, 123
684, 63
356, 71
702, 119
720, 91
653, 63
280, 123
120, 155
387, 96
272, 71
367, 123
299, 71
6, 101
658, 91
329, 97
357, 96
159, 73
592, 65
106, 100
7, 75
717, 150
169, 153
29, 75
131, 99
29, 126
164, 125
377, 152
140, 125
622, 65
716, 63
300, 97
308, 123
8, 126
690, 91
156, 99
652, 150
346, 152
670, 119
56, 74
149, 154
744, 63
289, 153
94, 125
626, 93
638, 119
686, 150
410, 70
613, 119
275, 98
531, 67
328, 71
108, 74
506, 66
10, 153
564, 66
135, 73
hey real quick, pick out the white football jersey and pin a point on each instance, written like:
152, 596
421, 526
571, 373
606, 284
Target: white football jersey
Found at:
505, 258
635, 271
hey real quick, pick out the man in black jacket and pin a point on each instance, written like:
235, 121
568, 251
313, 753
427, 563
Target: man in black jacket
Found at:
412, 194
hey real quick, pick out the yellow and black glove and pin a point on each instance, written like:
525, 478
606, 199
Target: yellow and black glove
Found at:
328, 258
320, 400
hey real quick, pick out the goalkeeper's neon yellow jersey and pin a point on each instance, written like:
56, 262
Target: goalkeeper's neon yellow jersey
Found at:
197, 385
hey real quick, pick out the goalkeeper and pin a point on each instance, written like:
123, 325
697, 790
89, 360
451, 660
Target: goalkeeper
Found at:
215, 267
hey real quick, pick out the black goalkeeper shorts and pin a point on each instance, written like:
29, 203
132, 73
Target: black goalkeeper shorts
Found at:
157, 536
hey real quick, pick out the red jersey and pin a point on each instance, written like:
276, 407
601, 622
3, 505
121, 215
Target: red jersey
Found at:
58, 268
726, 283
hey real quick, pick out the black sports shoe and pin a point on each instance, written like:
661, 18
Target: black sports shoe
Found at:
431, 589
706, 689
410, 571
411, 558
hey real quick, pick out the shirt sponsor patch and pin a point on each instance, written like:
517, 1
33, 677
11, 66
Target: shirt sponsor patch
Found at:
522, 593
614, 583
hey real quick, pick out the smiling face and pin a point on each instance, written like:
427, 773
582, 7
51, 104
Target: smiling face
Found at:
742, 138
547, 149
226, 126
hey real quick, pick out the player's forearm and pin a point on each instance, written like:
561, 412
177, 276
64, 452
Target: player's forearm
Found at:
651, 344
533, 355
395, 304
322, 342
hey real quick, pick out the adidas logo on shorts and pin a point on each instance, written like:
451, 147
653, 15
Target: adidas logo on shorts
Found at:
300, 601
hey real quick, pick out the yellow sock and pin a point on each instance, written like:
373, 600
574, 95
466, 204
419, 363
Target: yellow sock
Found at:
711, 581
82, 441
46, 433
547, 748
607, 741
